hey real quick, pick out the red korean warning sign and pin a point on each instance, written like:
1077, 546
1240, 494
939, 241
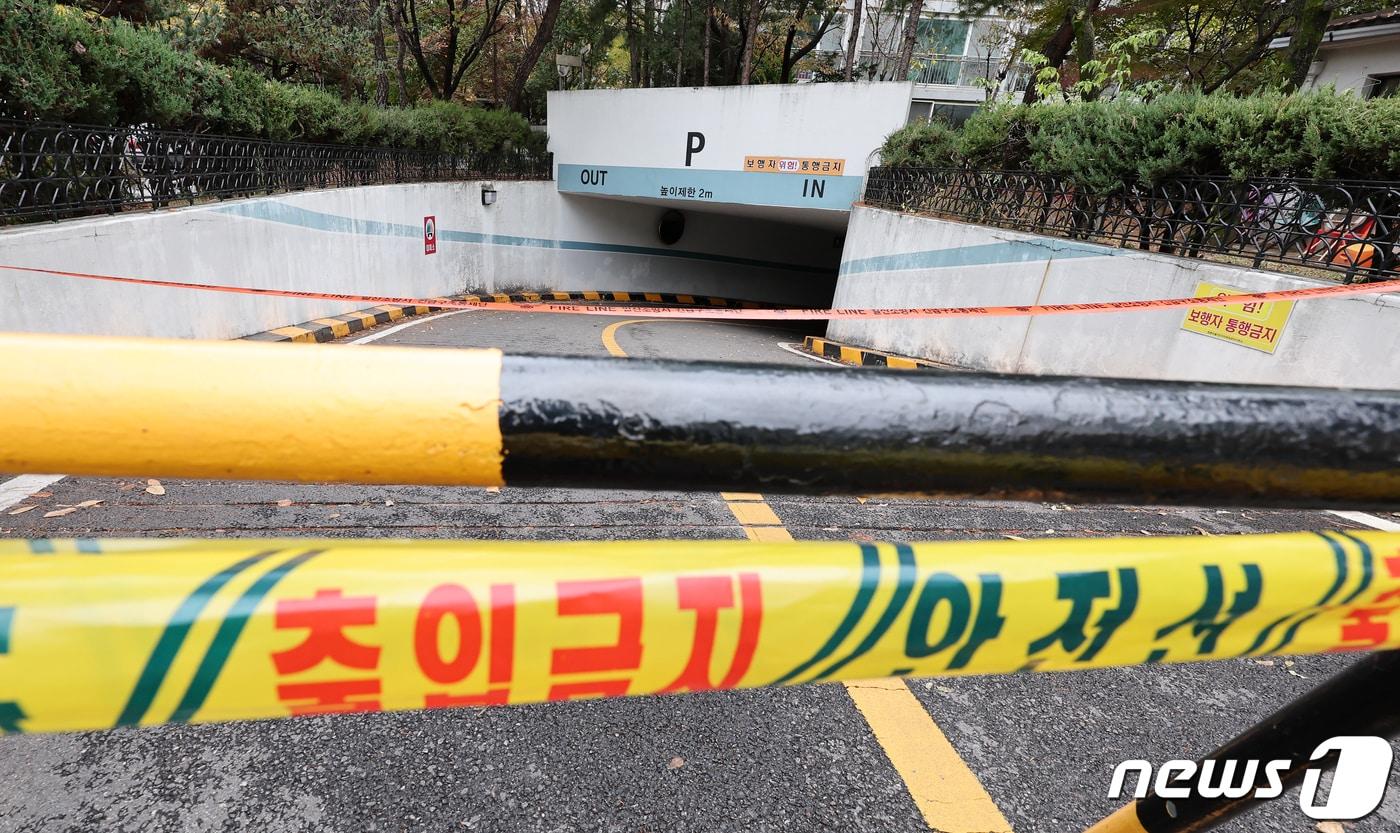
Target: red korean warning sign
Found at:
430, 235
96, 634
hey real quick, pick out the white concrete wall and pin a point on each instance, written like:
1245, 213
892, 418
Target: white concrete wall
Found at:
634, 143
900, 260
1346, 64
369, 241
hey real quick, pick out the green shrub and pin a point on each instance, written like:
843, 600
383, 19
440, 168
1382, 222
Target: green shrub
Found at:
58, 63
1101, 144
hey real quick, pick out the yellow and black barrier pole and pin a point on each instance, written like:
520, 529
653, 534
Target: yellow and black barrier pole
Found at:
237, 410
1360, 701
98, 634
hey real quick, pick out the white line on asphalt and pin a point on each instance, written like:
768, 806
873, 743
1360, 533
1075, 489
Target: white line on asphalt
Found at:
792, 347
16, 489
1367, 520
405, 325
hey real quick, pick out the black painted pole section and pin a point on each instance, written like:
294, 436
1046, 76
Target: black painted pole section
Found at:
701, 425
1359, 701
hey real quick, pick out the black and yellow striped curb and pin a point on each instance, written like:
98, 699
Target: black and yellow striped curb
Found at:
865, 357
338, 326
332, 327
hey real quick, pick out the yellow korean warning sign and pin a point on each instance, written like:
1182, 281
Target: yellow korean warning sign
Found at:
794, 165
1255, 324
97, 634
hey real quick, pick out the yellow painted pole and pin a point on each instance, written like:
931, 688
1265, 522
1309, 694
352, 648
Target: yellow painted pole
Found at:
145, 407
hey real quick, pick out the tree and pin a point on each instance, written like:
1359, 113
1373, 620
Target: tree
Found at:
454, 41
544, 33
1309, 27
750, 39
813, 19
853, 38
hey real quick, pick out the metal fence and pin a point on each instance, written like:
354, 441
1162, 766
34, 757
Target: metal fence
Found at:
1351, 228
51, 171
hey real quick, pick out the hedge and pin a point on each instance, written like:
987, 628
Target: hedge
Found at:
57, 63
1102, 144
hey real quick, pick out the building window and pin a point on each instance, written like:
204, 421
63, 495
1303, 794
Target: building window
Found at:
1382, 86
942, 36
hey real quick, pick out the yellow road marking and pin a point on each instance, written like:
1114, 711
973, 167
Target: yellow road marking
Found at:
610, 337
1124, 820
944, 789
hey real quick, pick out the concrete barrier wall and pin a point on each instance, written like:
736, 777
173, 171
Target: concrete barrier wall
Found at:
899, 260
370, 241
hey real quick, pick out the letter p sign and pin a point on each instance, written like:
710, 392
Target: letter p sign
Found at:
694, 143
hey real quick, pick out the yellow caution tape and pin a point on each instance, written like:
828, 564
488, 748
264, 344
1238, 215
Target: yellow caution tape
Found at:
107, 633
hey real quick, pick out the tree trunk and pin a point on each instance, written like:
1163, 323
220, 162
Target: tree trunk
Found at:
1308, 31
398, 36
649, 43
381, 58
634, 55
750, 38
680, 46
905, 58
705, 64
853, 42
1055, 52
515, 96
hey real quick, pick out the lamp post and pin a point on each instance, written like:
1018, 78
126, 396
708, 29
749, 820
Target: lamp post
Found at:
566, 64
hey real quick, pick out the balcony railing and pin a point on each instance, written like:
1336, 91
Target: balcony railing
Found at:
954, 70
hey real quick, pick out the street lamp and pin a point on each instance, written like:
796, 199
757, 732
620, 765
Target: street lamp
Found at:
566, 64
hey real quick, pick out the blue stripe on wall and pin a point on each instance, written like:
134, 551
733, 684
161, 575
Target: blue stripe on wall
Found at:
734, 187
276, 211
986, 254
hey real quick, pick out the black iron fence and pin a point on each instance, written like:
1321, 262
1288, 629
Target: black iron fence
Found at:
1350, 228
51, 171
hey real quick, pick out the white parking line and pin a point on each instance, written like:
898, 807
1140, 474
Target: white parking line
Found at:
16, 489
1367, 520
405, 325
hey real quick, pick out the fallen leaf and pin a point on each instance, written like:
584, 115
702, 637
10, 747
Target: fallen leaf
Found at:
1267, 662
1330, 827
1200, 530
42, 494
21, 510
85, 504
60, 512
1288, 663
1296, 674
153, 487
126, 487
861, 499
495, 490
676, 763
284, 502
388, 503
1015, 537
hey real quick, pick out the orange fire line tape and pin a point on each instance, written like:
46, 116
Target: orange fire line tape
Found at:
765, 314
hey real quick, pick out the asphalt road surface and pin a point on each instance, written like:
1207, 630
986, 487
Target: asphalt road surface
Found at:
797, 759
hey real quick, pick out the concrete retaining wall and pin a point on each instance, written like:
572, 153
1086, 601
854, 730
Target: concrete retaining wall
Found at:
370, 241
900, 260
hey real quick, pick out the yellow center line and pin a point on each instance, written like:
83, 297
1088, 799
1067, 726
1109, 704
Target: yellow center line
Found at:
947, 792
610, 336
